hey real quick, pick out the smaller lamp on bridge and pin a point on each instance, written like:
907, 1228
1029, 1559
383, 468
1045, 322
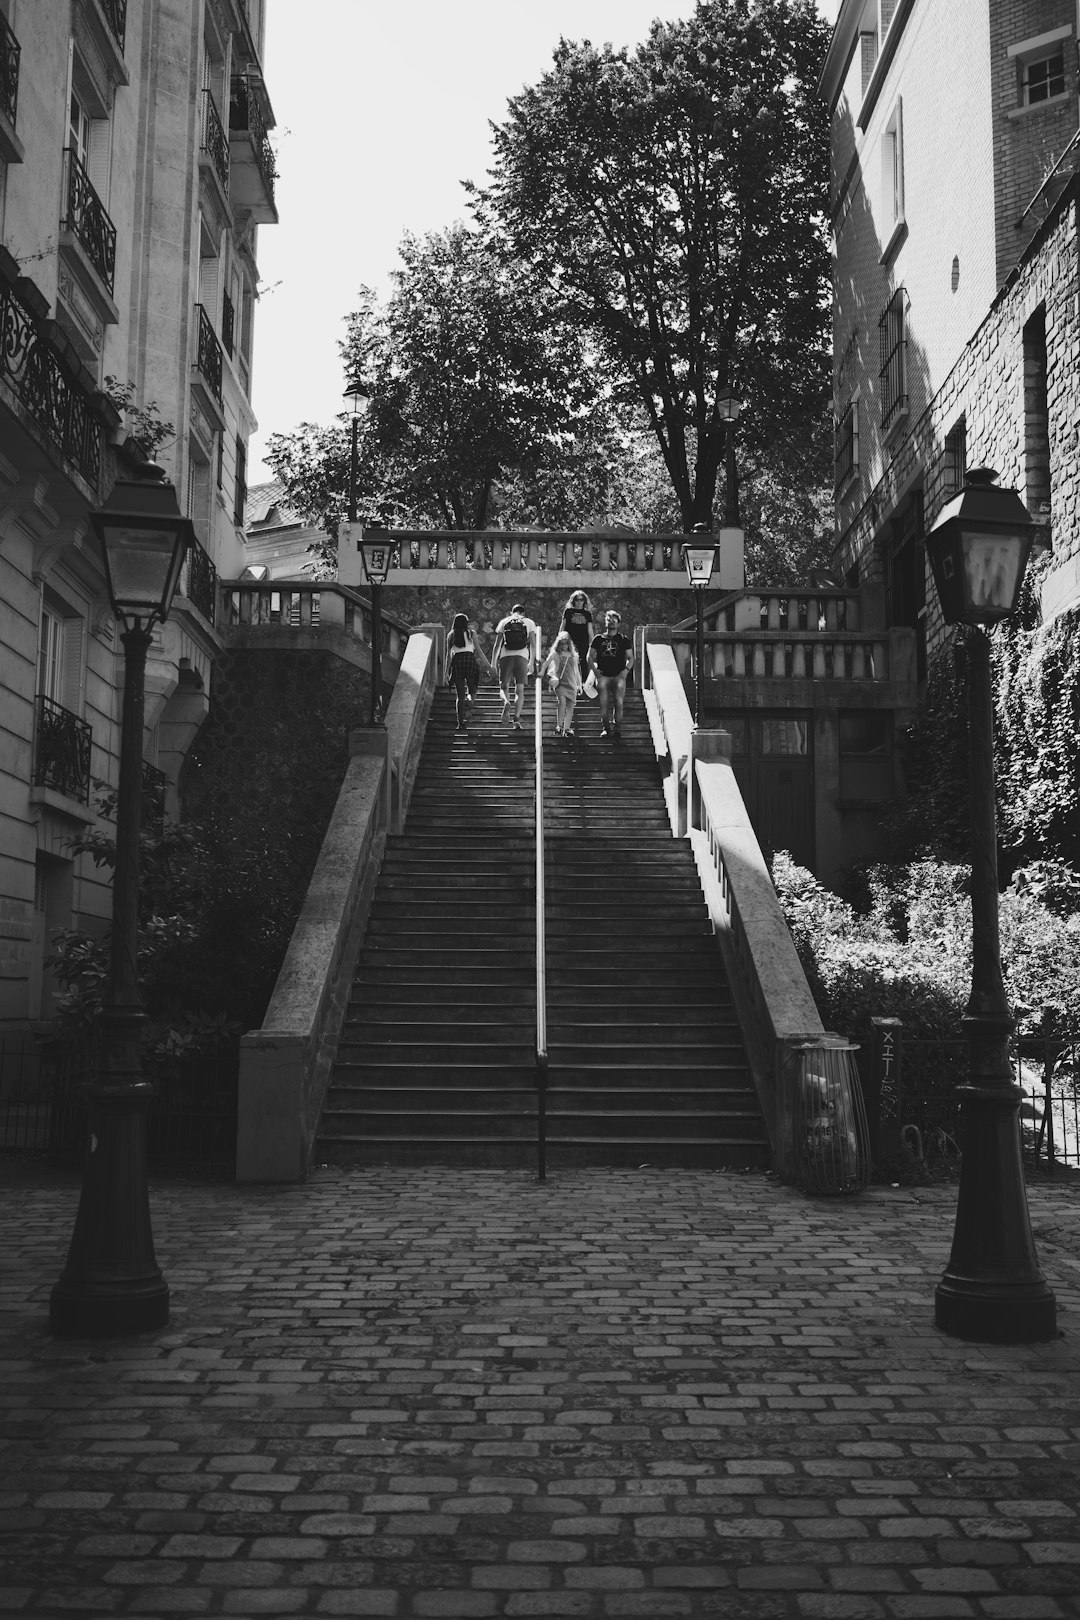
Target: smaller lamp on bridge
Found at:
699, 555
728, 408
376, 550
992, 1289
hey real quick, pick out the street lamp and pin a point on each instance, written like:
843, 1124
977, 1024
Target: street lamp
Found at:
700, 559
375, 552
375, 548
111, 1284
992, 1289
727, 409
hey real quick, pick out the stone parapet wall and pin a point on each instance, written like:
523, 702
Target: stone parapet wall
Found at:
437, 604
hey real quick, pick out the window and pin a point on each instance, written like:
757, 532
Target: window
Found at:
80, 131
1036, 415
1040, 67
867, 58
892, 180
955, 458
866, 755
905, 576
846, 447
59, 672
892, 330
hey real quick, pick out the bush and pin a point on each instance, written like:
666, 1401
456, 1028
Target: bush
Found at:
908, 954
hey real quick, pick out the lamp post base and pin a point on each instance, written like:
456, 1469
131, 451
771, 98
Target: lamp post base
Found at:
111, 1285
994, 1313
992, 1289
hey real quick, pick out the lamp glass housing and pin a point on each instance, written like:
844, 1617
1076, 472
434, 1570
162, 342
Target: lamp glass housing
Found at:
144, 539
700, 559
357, 397
376, 550
728, 406
979, 550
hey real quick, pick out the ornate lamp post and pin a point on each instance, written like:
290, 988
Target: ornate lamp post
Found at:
728, 408
699, 555
111, 1284
992, 1289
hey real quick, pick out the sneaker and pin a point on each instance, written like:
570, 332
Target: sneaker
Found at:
468, 697
603, 730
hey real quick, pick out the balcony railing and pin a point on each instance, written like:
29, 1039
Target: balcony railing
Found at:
200, 581
208, 354
46, 388
10, 52
116, 17
228, 324
87, 220
215, 142
246, 113
61, 751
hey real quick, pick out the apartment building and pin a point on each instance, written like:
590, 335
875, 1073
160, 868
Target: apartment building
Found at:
956, 329
135, 170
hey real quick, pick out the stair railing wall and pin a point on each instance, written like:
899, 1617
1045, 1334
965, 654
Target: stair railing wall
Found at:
285, 1064
775, 1007
541, 942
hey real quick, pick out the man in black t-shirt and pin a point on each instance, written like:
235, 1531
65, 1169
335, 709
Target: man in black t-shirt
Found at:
611, 656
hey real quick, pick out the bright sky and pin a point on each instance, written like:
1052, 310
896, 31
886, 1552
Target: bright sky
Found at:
382, 111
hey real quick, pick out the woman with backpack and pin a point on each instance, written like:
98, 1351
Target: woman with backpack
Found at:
462, 666
515, 642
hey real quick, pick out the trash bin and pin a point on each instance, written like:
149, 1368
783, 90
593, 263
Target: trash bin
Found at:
831, 1138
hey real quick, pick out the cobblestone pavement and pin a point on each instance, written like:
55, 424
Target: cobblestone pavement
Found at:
460, 1393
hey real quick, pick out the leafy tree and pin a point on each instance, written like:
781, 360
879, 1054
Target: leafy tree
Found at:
484, 404
674, 198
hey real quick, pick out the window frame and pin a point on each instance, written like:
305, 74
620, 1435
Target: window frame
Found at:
1032, 52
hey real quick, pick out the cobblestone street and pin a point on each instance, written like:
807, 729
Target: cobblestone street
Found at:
460, 1393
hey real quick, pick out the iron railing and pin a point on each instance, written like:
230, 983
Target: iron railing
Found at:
87, 220
246, 113
61, 751
892, 331
208, 353
215, 141
191, 1119
47, 388
116, 17
200, 581
154, 785
10, 51
228, 324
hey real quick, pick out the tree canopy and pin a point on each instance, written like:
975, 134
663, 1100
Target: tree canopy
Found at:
673, 198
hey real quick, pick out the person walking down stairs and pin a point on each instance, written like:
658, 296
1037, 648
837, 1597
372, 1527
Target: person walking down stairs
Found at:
611, 656
562, 673
463, 653
516, 645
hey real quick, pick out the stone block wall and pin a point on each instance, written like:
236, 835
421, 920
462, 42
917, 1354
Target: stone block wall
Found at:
435, 604
988, 389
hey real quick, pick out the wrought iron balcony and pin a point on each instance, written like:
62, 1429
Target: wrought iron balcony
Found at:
228, 322
116, 17
247, 118
10, 52
87, 220
61, 751
200, 581
46, 387
215, 142
208, 354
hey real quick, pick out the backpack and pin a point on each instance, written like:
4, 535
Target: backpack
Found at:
516, 634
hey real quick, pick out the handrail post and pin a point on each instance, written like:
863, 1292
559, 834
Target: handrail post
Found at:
541, 966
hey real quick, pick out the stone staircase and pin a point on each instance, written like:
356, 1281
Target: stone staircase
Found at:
437, 1057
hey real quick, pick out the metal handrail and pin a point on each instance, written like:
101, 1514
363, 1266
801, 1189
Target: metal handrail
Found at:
541, 965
